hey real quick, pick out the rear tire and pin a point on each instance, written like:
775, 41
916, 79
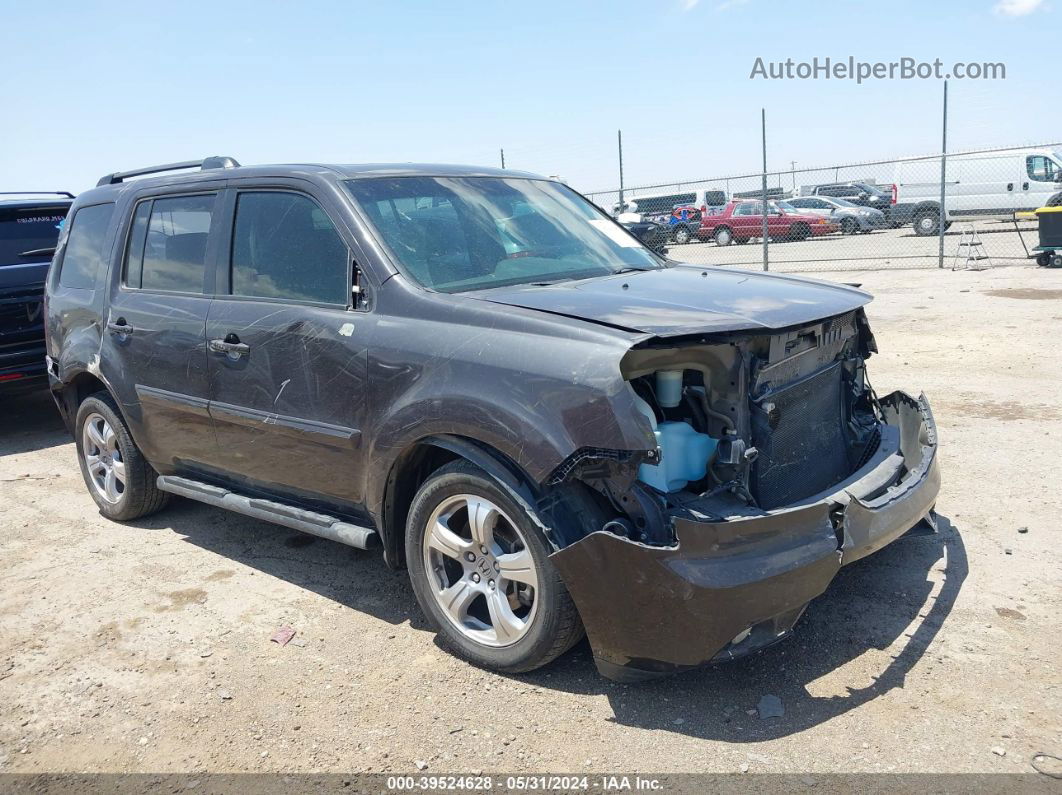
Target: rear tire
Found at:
799, 232
117, 475
723, 236
505, 624
682, 235
926, 222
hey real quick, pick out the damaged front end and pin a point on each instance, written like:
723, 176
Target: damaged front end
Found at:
776, 465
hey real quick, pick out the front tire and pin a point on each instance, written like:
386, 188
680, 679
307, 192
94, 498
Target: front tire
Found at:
119, 478
682, 235
480, 569
849, 226
723, 236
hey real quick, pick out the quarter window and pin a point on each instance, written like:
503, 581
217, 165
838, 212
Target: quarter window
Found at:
175, 241
285, 246
84, 246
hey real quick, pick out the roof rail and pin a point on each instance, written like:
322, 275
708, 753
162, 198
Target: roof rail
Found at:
37, 193
218, 161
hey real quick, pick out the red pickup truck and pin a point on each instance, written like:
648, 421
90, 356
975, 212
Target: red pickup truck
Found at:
739, 221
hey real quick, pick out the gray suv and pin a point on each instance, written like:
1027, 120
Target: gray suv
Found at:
482, 375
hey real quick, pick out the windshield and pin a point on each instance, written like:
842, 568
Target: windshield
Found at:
470, 233
28, 234
841, 202
787, 207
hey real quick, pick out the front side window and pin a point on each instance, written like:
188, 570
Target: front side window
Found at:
285, 246
84, 255
470, 233
173, 258
1041, 168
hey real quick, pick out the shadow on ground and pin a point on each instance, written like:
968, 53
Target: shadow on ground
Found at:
870, 605
30, 422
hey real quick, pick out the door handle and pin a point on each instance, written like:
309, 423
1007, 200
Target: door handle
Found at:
230, 346
119, 326
1010, 186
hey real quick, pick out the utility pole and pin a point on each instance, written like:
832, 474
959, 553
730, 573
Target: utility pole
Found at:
943, 166
502, 157
619, 142
763, 131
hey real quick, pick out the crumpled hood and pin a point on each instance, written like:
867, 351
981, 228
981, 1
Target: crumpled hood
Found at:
687, 299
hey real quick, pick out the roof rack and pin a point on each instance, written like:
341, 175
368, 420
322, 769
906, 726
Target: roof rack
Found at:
218, 161
37, 193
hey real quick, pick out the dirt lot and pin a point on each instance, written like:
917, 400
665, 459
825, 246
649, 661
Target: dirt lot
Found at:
145, 647
883, 248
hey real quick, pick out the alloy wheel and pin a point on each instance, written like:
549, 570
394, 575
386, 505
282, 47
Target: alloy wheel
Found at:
480, 570
103, 458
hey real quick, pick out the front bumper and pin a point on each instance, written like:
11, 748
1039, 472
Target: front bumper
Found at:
727, 588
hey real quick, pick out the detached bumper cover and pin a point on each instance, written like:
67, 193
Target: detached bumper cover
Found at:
654, 610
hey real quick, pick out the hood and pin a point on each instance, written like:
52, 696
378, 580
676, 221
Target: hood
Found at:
686, 299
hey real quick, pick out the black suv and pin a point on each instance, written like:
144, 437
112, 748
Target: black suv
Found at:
552, 427
29, 228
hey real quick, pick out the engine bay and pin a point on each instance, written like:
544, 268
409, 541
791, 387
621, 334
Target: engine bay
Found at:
751, 422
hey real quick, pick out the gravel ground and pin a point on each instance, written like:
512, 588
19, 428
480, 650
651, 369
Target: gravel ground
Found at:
145, 647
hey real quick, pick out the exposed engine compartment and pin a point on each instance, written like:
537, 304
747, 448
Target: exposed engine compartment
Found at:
746, 423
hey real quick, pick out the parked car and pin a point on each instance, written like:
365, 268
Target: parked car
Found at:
740, 221
861, 193
29, 228
985, 185
679, 212
850, 217
654, 236
573, 434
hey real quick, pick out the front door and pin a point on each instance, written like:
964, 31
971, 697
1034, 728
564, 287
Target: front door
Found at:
287, 351
154, 350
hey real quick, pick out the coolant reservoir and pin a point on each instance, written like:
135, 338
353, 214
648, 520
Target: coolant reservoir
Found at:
684, 453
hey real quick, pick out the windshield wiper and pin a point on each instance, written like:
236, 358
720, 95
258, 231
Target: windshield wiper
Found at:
632, 269
37, 252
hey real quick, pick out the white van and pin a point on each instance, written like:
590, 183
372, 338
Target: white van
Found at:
660, 208
978, 185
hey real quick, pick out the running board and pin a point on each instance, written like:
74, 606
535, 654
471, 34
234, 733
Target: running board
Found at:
317, 524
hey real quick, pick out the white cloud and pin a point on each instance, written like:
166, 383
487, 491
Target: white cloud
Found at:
1017, 8
689, 5
730, 4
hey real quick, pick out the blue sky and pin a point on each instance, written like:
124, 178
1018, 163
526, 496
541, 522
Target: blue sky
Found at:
94, 87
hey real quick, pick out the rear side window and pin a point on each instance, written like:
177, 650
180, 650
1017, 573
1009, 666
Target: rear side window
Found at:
174, 233
84, 246
28, 234
285, 246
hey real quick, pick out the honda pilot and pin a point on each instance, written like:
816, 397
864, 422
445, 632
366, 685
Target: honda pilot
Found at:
482, 375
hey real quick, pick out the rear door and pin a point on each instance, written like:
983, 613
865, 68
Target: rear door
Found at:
287, 347
154, 350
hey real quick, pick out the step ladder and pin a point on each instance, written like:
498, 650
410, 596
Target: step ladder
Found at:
972, 250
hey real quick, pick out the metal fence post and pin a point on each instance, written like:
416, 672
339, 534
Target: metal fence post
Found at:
943, 165
502, 151
619, 143
763, 132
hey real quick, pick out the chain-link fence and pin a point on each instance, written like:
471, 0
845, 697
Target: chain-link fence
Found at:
871, 215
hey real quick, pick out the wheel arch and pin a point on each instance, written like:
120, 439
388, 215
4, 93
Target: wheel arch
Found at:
418, 461
72, 391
